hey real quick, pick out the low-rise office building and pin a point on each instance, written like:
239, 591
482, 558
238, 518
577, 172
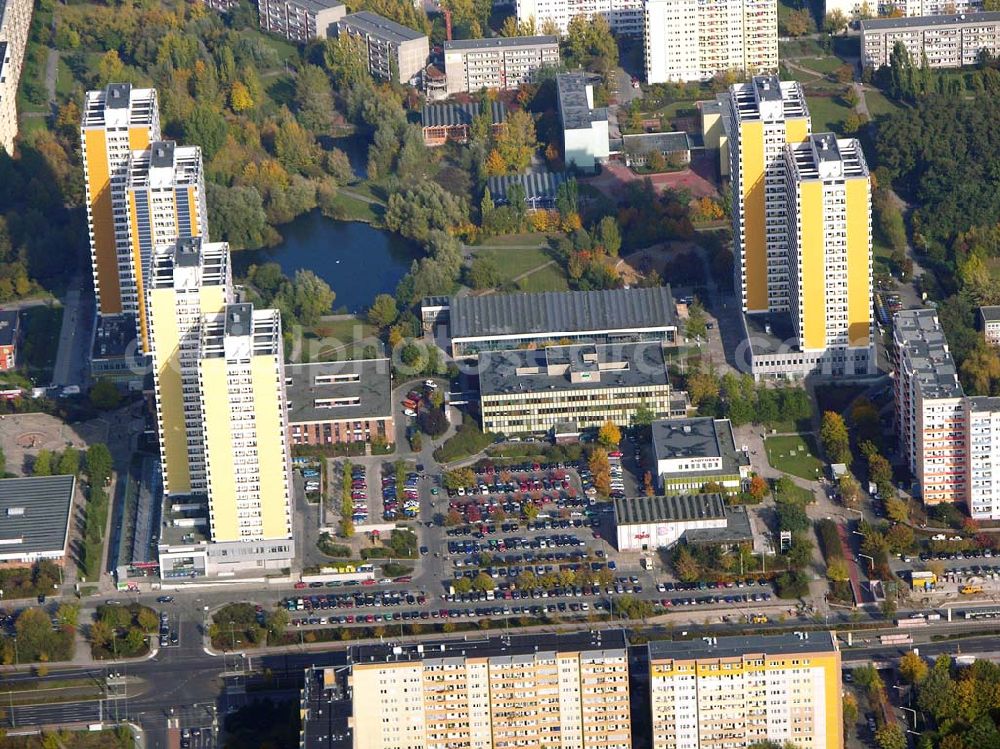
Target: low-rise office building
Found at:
529, 391
498, 63
673, 147
493, 693
395, 52
725, 692
10, 331
496, 322
453, 122
690, 453
643, 523
989, 320
346, 401
34, 518
15, 21
953, 40
585, 126
116, 353
301, 21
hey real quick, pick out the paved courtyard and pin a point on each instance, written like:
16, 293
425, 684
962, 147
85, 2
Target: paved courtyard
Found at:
22, 436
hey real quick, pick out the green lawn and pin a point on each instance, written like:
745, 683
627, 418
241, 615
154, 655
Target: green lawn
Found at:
513, 263
551, 278
349, 208
821, 65
337, 340
344, 330
879, 104
64, 80
828, 113
794, 454
523, 240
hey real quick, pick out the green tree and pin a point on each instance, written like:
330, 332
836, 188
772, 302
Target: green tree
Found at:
69, 462
890, 736
609, 435
346, 59
147, 619
835, 439
383, 311
206, 127
897, 510
99, 464
312, 297
912, 668
236, 215
43, 463
314, 99
609, 236
459, 477
836, 570
101, 634
483, 582
104, 395
686, 567
484, 273
517, 141
68, 615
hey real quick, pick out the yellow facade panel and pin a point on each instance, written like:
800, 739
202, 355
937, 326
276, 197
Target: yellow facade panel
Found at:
858, 254
109, 300
796, 130
270, 445
193, 209
138, 138
218, 450
812, 257
754, 231
162, 307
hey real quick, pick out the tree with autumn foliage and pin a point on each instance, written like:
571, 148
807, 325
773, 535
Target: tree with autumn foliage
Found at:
600, 469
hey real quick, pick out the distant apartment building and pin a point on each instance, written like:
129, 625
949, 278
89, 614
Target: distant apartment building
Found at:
531, 391
567, 690
689, 40
300, 21
930, 408
989, 319
10, 332
585, 126
915, 7
731, 692
15, 22
945, 41
441, 123
221, 6
982, 416
690, 453
760, 117
498, 322
499, 63
394, 51
828, 191
116, 121
166, 202
625, 17
334, 402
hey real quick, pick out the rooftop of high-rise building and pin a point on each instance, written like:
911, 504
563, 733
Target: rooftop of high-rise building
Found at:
766, 98
119, 104
824, 156
190, 262
165, 164
920, 338
240, 331
790, 643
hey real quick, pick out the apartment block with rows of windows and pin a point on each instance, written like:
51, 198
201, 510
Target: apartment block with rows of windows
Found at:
930, 408
830, 252
301, 21
501, 63
731, 692
946, 41
570, 691
688, 40
760, 117
395, 52
166, 202
116, 121
625, 17
15, 21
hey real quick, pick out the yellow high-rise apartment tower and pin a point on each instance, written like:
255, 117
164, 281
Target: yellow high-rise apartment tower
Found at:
760, 117
728, 692
568, 691
116, 121
188, 280
166, 202
245, 415
830, 253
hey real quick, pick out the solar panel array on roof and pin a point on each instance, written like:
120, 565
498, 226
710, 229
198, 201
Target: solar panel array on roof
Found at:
562, 311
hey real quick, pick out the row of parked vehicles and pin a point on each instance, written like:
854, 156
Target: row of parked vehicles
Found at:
359, 495
393, 505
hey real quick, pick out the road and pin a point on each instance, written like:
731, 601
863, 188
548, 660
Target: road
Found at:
74, 338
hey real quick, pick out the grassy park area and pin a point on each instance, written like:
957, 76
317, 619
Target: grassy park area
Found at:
795, 454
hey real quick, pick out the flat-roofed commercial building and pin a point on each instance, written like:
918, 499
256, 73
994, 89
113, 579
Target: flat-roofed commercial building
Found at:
345, 401
166, 202
691, 40
501, 63
829, 235
116, 121
532, 390
725, 692
508, 321
34, 518
116, 353
15, 21
395, 52
760, 117
690, 453
585, 126
953, 40
930, 407
301, 21
569, 690
643, 523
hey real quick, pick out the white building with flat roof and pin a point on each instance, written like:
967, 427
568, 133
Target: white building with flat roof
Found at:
585, 126
498, 63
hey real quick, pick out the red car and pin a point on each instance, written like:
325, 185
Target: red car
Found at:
300, 585
615, 454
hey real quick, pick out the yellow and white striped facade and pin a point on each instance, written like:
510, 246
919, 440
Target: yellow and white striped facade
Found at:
730, 692
830, 248
241, 378
166, 202
188, 280
760, 118
116, 121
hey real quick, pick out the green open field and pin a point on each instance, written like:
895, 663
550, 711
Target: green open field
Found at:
878, 103
517, 240
821, 65
828, 113
349, 208
550, 278
794, 454
514, 262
